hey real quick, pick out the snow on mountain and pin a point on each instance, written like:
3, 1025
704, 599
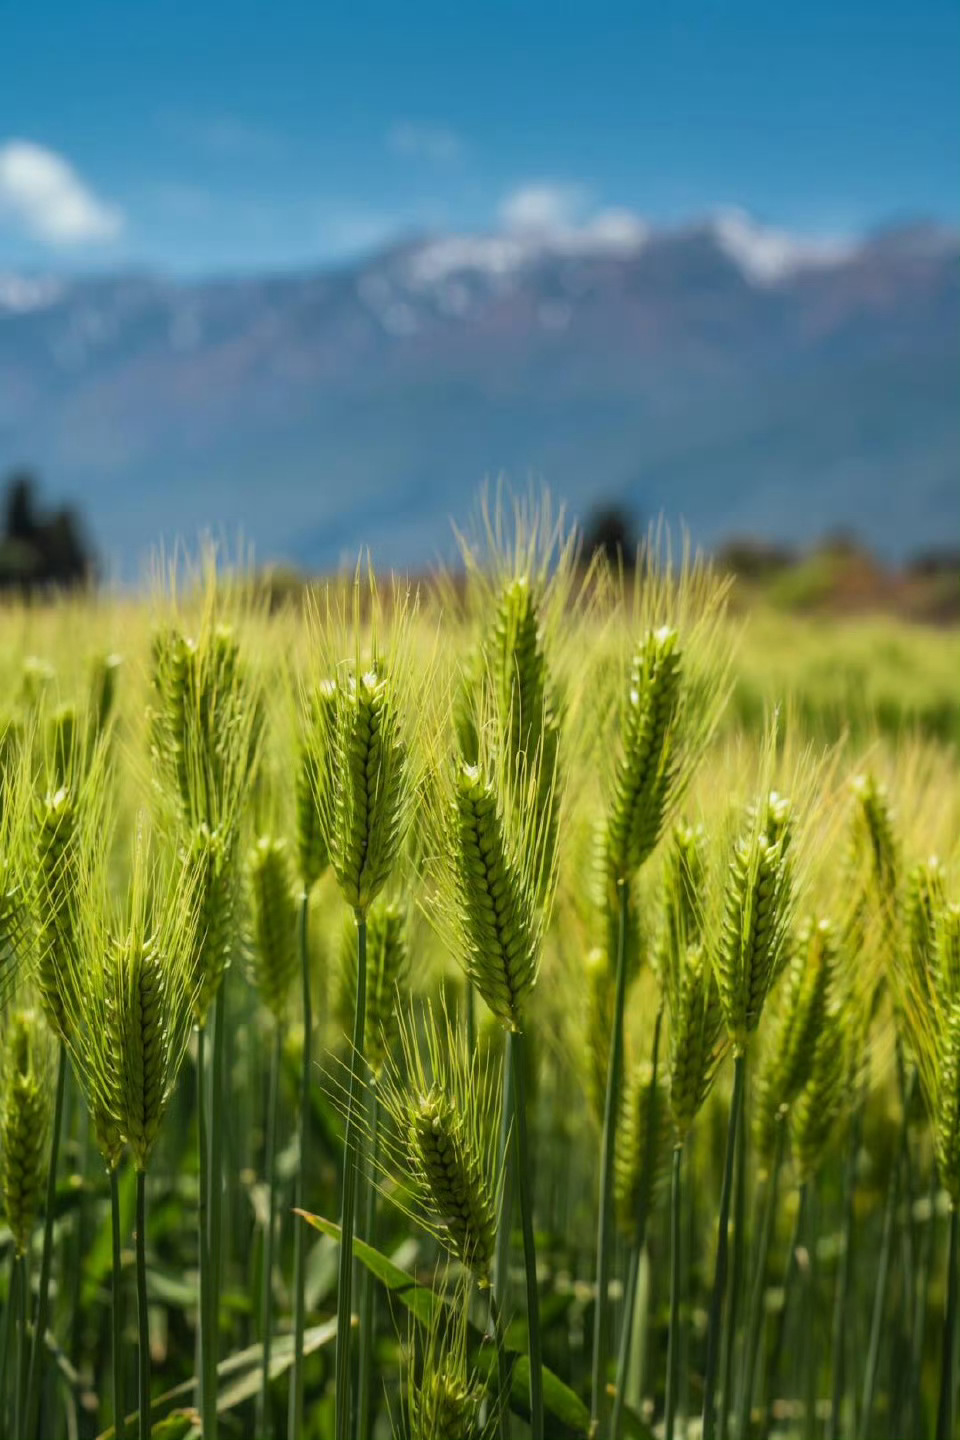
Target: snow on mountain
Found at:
738, 375
766, 255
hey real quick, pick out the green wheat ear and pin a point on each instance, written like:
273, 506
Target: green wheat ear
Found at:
823, 1101
756, 915
142, 1040
388, 963
636, 1183
497, 895
946, 1114
873, 833
206, 722
18, 929
518, 665
25, 1096
441, 1101
274, 904
62, 745
925, 895
684, 882
210, 860
450, 1170
696, 1038
444, 1395
648, 768
946, 950
55, 885
787, 1061
133, 1014
367, 782
104, 677
528, 709
314, 782
930, 1005
74, 789
370, 787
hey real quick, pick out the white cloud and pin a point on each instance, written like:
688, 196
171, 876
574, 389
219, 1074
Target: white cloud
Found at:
543, 208
436, 143
43, 195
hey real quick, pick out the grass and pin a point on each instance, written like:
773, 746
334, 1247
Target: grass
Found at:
501, 782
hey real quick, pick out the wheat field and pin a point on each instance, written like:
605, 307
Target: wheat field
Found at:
519, 1003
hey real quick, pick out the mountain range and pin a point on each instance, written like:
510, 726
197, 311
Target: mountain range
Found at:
737, 377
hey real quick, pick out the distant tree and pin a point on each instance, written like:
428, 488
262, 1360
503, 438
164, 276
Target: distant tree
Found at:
41, 551
613, 530
934, 561
755, 559
21, 522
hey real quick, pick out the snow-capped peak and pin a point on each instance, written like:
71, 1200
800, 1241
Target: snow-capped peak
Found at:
766, 255
613, 233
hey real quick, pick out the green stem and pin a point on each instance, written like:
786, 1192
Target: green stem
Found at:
5, 1337
266, 1284
736, 1272
32, 1412
689, 1233
751, 1353
639, 1239
780, 1330
367, 1288
23, 1351
116, 1316
715, 1322
901, 1388
351, 1162
203, 1222
611, 1110
525, 1197
810, 1333
143, 1318
503, 1368
80, 1237
501, 1258
879, 1306
844, 1273
673, 1334
295, 1411
919, 1327
948, 1365
634, 1257
215, 1198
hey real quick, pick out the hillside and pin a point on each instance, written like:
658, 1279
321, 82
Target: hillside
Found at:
730, 375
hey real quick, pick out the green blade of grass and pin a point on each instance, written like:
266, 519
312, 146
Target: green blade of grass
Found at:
568, 1414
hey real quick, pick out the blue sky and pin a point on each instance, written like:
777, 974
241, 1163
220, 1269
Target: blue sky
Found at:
207, 136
